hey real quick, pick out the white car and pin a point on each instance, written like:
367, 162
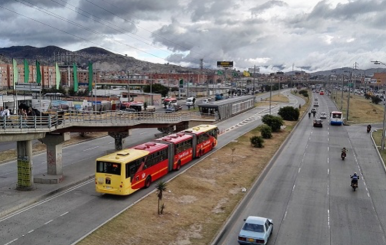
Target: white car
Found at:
255, 230
323, 115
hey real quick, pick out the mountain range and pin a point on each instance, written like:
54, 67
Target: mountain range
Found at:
104, 60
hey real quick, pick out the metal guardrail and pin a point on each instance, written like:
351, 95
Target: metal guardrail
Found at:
59, 120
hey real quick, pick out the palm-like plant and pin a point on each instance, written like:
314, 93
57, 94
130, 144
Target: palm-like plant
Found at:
161, 187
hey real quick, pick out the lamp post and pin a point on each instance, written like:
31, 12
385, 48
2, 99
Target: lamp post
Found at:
270, 96
376, 62
348, 98
341, 98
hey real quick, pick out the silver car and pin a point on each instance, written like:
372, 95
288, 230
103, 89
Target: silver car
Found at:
255, 230
323, 115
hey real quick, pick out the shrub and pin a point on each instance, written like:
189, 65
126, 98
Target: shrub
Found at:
257, 141
289, 113
375, 99
273, 121
266, 131
304, 93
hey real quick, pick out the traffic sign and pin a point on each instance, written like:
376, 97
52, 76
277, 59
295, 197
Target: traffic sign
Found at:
225, 64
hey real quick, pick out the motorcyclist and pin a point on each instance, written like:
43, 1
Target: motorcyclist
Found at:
354, 178
344, 152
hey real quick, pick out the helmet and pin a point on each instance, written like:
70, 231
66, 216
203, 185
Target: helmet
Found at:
355, 173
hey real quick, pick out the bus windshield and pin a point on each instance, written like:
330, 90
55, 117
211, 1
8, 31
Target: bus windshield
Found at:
108, 168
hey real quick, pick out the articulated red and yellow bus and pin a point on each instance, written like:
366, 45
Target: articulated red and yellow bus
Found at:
126, 171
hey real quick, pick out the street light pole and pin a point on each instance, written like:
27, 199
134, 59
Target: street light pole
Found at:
341, 98
376, 62
348, 98
270, 96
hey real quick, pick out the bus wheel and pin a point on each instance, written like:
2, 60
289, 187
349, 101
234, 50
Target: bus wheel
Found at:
178, 166
148, 182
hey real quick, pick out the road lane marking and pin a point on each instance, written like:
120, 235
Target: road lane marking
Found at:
48, 222
91, 148
63, 214
293, 188
22, 210
30, 231
328, 218
14, 240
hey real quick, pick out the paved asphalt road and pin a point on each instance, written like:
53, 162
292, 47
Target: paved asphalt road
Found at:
68, 216
307, 191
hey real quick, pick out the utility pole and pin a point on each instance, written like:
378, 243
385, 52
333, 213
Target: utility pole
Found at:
341, 98
128, 87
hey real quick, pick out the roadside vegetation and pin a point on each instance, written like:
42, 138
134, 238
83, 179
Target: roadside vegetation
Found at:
197, 203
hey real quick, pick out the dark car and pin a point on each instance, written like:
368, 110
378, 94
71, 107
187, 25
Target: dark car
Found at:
318, 123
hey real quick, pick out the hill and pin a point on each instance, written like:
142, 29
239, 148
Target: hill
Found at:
102, 59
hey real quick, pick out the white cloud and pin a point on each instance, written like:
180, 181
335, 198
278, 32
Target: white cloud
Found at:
317, 34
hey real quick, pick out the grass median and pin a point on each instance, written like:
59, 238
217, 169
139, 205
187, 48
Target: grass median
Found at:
197, 202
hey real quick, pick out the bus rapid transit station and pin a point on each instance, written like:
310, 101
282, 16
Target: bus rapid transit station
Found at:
126, 171
54, 129
224, 109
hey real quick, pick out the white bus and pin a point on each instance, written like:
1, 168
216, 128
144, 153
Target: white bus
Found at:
336, 118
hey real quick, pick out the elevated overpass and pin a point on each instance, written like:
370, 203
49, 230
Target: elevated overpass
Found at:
54, 129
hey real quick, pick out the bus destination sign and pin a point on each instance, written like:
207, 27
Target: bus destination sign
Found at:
225, 64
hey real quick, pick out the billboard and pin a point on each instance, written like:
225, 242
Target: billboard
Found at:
225, 64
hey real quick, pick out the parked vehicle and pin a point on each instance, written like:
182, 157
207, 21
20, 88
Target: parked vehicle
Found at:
190, 101
218, 97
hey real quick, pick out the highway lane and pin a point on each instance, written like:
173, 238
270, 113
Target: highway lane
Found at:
89, 150
307, 191
66, 217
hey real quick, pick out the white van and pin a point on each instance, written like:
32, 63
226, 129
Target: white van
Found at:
190, 101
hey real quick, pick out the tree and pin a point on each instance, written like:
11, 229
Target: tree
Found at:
274, 122
266, 131
161, 187
257, 141
157, 89
375, 99
289, 113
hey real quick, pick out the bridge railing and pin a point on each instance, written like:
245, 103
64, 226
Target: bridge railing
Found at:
55, 120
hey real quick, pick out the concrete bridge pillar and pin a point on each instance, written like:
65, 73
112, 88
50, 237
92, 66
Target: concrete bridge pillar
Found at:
24, 165
182, 126
54, 143
118, 137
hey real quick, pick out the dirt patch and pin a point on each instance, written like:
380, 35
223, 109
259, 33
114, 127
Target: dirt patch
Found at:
197, 202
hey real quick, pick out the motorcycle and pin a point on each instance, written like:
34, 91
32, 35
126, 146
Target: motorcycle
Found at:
343, 155
368, 128
354, 184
